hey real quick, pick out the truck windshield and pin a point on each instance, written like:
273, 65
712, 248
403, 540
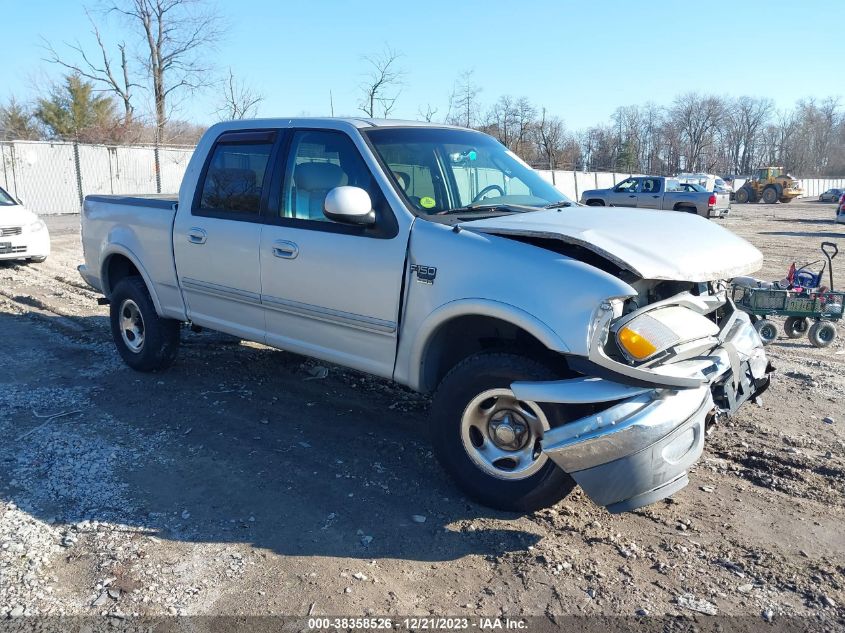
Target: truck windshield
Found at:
6, 200
441, 171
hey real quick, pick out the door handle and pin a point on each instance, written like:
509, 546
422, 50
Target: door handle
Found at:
655, 196
197, 236
285, 249
632, 196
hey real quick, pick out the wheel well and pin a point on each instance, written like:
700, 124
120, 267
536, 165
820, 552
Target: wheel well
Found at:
117, 267
684, 205
464, 336
592, 202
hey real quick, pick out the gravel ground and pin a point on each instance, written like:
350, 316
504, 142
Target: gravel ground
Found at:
247, 481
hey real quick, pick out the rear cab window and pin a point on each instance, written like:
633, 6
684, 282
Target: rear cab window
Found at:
234, 180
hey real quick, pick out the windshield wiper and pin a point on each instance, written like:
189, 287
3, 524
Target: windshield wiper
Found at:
487, 207
560, 204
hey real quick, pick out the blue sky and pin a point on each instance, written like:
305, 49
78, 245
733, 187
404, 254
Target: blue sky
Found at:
578, 59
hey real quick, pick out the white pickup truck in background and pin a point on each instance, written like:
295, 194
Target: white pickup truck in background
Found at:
562, 344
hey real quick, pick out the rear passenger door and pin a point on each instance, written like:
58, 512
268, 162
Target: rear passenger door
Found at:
650, 194
216, 244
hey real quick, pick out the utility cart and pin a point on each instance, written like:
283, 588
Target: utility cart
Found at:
808, 310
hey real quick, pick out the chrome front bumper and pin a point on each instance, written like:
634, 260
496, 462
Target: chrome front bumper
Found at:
638, 450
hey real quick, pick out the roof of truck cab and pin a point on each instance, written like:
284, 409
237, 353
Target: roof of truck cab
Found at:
357, 122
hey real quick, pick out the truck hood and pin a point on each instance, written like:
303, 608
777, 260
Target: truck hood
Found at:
651, 244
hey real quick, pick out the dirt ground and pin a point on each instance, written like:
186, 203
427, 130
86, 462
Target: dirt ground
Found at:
247, 481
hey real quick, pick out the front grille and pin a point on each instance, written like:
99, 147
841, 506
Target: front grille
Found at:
10, 230
5, 250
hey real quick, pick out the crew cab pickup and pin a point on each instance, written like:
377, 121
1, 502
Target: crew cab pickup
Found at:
657, 192
562, 344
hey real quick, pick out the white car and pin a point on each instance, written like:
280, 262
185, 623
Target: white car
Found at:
23, 235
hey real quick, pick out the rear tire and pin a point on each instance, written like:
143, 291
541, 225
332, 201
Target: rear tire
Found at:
469, 445
145, 341
822, 334
770, 195
796, 327
767, 330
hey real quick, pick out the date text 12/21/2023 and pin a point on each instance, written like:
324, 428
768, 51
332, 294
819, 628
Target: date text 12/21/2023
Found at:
430, 623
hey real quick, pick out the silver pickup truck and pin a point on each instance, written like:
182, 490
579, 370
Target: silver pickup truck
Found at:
657, 192
561, 344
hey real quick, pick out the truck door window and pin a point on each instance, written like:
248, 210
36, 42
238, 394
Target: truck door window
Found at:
628, 186
318, 161
651, 185
234, 179
413, 167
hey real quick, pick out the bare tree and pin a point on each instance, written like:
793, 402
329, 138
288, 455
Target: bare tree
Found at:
697, 118
427, 113
550, 133
238, 100
176, 35
101, 71
383, 83
463, 102
741, 132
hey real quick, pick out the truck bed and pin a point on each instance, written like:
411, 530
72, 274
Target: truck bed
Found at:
139, 228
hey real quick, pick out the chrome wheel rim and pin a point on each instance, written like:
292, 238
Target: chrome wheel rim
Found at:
131, 326
501, 434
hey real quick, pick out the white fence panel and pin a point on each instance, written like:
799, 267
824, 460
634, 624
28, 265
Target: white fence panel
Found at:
50, 178
565, 182
45, 176
95, 166
605, 180
173, 164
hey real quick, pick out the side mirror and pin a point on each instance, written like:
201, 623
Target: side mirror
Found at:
350, 205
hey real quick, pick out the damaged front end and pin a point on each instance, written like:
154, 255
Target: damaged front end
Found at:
657, 376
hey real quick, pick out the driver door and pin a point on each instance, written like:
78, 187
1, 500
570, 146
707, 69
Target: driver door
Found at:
625, 193
330, 290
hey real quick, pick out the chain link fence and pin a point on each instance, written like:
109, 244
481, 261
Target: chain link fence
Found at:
53, 178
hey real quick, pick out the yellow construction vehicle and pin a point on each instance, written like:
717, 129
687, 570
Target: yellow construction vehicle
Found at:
769, 184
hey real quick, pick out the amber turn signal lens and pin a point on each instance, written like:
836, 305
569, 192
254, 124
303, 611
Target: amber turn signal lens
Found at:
636, 345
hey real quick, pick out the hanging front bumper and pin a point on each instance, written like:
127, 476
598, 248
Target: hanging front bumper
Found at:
638, 450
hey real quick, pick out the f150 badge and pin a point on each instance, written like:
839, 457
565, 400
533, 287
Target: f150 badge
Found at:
425, 274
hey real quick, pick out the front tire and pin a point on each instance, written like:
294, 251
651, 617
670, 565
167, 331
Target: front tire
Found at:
145, 341
767, 330
741, 196
486, 440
